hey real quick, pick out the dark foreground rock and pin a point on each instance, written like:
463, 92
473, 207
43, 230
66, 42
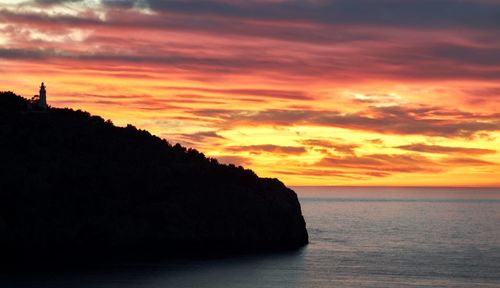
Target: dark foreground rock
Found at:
73, 187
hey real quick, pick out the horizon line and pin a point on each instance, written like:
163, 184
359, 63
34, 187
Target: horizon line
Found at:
393, 186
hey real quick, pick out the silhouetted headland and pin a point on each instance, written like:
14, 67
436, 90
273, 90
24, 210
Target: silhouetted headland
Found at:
75, 187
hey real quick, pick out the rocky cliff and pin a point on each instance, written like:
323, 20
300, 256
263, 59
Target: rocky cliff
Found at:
74, 186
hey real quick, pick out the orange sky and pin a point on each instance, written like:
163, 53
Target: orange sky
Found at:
316, 92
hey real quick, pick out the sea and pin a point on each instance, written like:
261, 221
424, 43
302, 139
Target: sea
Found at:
359, 237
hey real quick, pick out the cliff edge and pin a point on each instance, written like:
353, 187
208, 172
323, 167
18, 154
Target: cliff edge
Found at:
75, 186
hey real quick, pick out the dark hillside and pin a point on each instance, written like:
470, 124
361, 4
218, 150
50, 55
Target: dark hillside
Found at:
74, 186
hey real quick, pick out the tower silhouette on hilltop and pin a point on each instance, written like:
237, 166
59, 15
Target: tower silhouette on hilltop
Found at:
42, 102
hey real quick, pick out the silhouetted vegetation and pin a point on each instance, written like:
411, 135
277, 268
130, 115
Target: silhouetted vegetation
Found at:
74, 186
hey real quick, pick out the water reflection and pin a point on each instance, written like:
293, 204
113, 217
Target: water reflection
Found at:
266, 270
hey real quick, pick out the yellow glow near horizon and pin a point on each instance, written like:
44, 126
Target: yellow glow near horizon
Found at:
306, 101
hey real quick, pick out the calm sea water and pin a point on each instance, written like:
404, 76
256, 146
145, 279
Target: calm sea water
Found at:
360, 237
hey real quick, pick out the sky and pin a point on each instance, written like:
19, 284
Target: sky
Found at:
313, 92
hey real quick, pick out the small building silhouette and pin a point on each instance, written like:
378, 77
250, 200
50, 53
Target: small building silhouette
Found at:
42, 100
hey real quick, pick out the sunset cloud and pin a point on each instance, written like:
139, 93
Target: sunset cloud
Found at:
432, 121
446, 149
235, 160
349, 92
267, 148
387, 163
314, 27
338, 147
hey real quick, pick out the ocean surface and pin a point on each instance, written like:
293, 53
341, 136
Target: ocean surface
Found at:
360, 237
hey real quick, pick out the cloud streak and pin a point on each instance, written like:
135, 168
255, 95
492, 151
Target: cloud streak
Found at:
393, 120
267, 148
420, 147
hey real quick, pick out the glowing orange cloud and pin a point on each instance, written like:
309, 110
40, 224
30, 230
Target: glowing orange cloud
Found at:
312, 92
